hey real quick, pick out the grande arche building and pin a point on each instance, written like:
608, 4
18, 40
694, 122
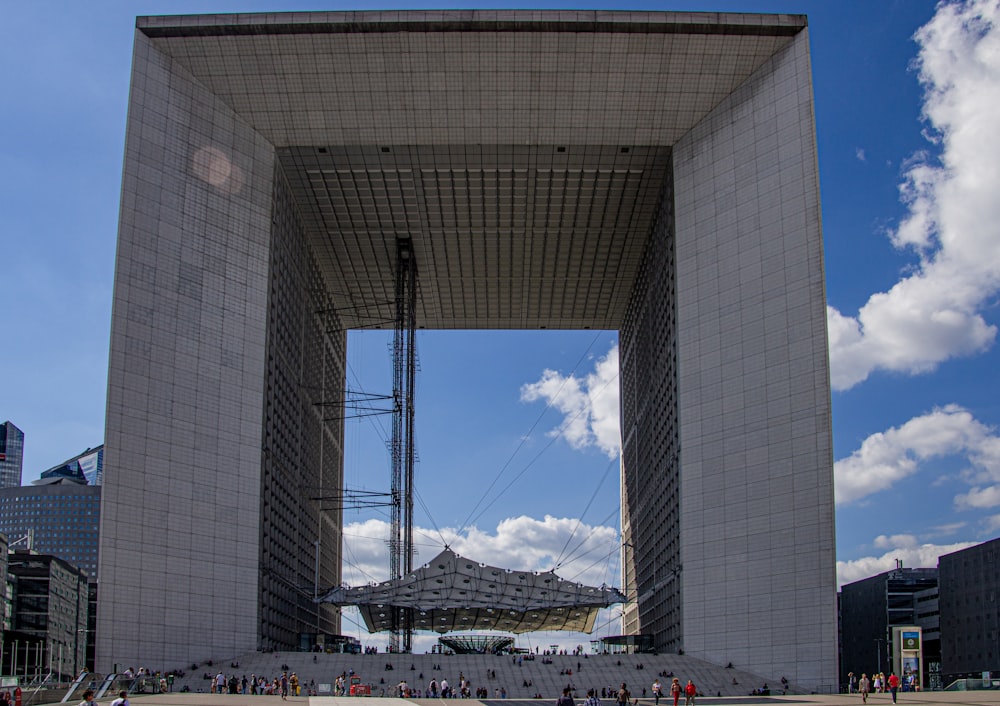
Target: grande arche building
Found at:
650, 173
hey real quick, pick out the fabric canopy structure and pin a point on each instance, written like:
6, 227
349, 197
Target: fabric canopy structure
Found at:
452, 593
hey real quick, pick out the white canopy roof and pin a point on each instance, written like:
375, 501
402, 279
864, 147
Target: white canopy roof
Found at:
452, 593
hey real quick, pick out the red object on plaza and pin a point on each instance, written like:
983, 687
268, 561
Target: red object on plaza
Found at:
17, 696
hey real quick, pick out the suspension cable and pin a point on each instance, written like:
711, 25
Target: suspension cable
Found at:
579, 520
524, 440
555, 437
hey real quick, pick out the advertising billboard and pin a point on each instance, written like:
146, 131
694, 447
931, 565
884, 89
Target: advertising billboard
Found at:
910, 640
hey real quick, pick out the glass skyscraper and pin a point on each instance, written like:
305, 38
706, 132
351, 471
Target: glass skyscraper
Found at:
87, 467
11, 455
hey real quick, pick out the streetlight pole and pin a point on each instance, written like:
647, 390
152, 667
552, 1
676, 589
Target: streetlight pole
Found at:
76, 649
878, 653
316, 583
316, 591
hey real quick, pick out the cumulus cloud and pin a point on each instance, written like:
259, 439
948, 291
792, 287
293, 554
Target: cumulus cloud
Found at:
934, 313
979, 498
907, 541
590, 405
575, 550
860, 154
922, 556
886, 458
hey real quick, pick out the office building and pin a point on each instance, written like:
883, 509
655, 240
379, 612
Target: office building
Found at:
50, 603
871, 607
87, 467
11, 455
4, 590
970, 612
60, 515
651, 173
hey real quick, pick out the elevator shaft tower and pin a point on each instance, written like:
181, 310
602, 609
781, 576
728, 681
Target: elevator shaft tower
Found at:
403, 375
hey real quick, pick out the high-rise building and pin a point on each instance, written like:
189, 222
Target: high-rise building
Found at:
970, 611
4, 590
61, 516
87, 467
871, 607
50, 602
11, 455
651, 173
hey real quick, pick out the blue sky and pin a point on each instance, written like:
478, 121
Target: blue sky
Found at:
908, 154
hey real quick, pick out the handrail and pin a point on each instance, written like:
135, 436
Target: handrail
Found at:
41, 683
105, 685
971, 684
74, 686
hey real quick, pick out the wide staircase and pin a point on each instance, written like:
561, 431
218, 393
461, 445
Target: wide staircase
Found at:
520, 678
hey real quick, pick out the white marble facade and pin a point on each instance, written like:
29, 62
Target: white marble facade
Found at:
757, 523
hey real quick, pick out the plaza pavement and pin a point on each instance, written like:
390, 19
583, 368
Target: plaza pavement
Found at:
929, 698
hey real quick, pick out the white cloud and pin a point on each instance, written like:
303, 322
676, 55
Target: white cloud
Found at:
365, 552
886, 458
945, 530
860, 154
590, 405
992, 523
979, 498
934, 313
907, 541
923, 556
585, 553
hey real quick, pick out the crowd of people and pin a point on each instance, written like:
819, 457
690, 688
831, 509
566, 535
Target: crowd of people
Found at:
287, 683
284, 685
879, 683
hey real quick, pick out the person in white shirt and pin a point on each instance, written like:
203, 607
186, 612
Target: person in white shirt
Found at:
122, 699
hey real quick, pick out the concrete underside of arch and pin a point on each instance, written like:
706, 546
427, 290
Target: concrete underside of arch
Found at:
653, 173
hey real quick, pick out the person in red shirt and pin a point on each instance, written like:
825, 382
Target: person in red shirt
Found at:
893, 685
690, 691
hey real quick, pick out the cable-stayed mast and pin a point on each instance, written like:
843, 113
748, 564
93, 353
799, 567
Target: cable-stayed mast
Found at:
403, 374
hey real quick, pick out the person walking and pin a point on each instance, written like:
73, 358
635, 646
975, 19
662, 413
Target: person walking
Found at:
863, 686
566, 699
690, 691
893, 683
675, 689
657, 688
623, 695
